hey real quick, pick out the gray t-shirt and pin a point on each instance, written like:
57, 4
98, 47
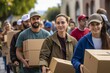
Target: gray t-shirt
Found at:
29, 34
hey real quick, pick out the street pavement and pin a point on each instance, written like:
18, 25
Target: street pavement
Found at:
2, 66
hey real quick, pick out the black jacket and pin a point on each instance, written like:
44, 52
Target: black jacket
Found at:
13, 56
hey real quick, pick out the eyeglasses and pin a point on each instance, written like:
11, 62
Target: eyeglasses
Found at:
62, 22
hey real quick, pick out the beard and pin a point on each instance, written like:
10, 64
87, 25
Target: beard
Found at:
26, 26
35, 25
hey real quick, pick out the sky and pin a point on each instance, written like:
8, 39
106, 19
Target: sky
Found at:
43, 5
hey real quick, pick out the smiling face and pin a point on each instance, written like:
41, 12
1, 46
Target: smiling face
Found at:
61, 24
34, 21
95, 27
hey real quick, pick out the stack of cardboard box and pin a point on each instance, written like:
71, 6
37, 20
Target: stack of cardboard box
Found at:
97, 61
31, 50
61, 66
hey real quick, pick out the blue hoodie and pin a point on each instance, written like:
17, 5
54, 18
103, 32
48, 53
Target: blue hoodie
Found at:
78, 57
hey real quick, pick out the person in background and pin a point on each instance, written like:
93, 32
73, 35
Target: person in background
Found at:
96, 39
1, 38
25, 22
72, 26
59, 45
6, 28
20, 25
81, 30
53, 26
48, 27
34, 32
103, 13
42, 24
14, 25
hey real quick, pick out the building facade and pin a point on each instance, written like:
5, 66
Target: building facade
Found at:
73, 8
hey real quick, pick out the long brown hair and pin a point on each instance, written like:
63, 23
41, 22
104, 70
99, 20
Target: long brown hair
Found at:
104, 36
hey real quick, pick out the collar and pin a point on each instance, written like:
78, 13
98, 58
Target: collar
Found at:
55, 38
89, 38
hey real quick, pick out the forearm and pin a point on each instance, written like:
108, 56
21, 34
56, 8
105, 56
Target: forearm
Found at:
19, 55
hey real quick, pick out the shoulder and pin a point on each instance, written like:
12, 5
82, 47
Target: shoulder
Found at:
69, 36
86, 37
25, 31
44, 31
74, 31
87, 29
72, 39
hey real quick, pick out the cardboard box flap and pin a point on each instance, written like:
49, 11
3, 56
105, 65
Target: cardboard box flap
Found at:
32, 44
61, 66
100, 54
97, 61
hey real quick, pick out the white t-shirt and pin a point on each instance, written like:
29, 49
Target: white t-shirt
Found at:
97, 43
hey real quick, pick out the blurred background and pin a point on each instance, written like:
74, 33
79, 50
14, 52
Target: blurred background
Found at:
12, 10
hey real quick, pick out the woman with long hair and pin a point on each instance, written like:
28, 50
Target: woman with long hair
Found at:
98, 38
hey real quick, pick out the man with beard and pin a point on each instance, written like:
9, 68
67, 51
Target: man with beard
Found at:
25, 23
35, 32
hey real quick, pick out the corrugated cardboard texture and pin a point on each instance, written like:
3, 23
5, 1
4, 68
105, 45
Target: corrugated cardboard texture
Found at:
61, 66
32, 44
97, 61
10, 36
33, 57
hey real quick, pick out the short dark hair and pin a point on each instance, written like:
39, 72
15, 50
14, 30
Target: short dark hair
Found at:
14, 23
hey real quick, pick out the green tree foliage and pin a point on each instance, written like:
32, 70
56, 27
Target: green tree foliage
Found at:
15, 7
52, 12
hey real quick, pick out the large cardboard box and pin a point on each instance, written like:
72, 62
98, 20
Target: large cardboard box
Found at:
32, 57
31, 50
97, 61
85, 70
9, 37
32, 44
61, 66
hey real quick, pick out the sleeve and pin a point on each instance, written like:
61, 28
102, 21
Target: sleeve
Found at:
45, 52
47, 34
13, 49
78, 56
20, 39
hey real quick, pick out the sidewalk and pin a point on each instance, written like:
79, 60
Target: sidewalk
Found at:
2, 66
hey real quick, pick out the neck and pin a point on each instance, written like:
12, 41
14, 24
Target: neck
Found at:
81, 28
62, 34
35, 29
96, 35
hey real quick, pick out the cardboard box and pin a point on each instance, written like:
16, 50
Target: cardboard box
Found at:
61, 66
85, 70
33, 57
97, 61
5, 38
31, 50
32, 44
9, 37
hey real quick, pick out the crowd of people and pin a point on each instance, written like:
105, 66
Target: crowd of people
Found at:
64, 39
